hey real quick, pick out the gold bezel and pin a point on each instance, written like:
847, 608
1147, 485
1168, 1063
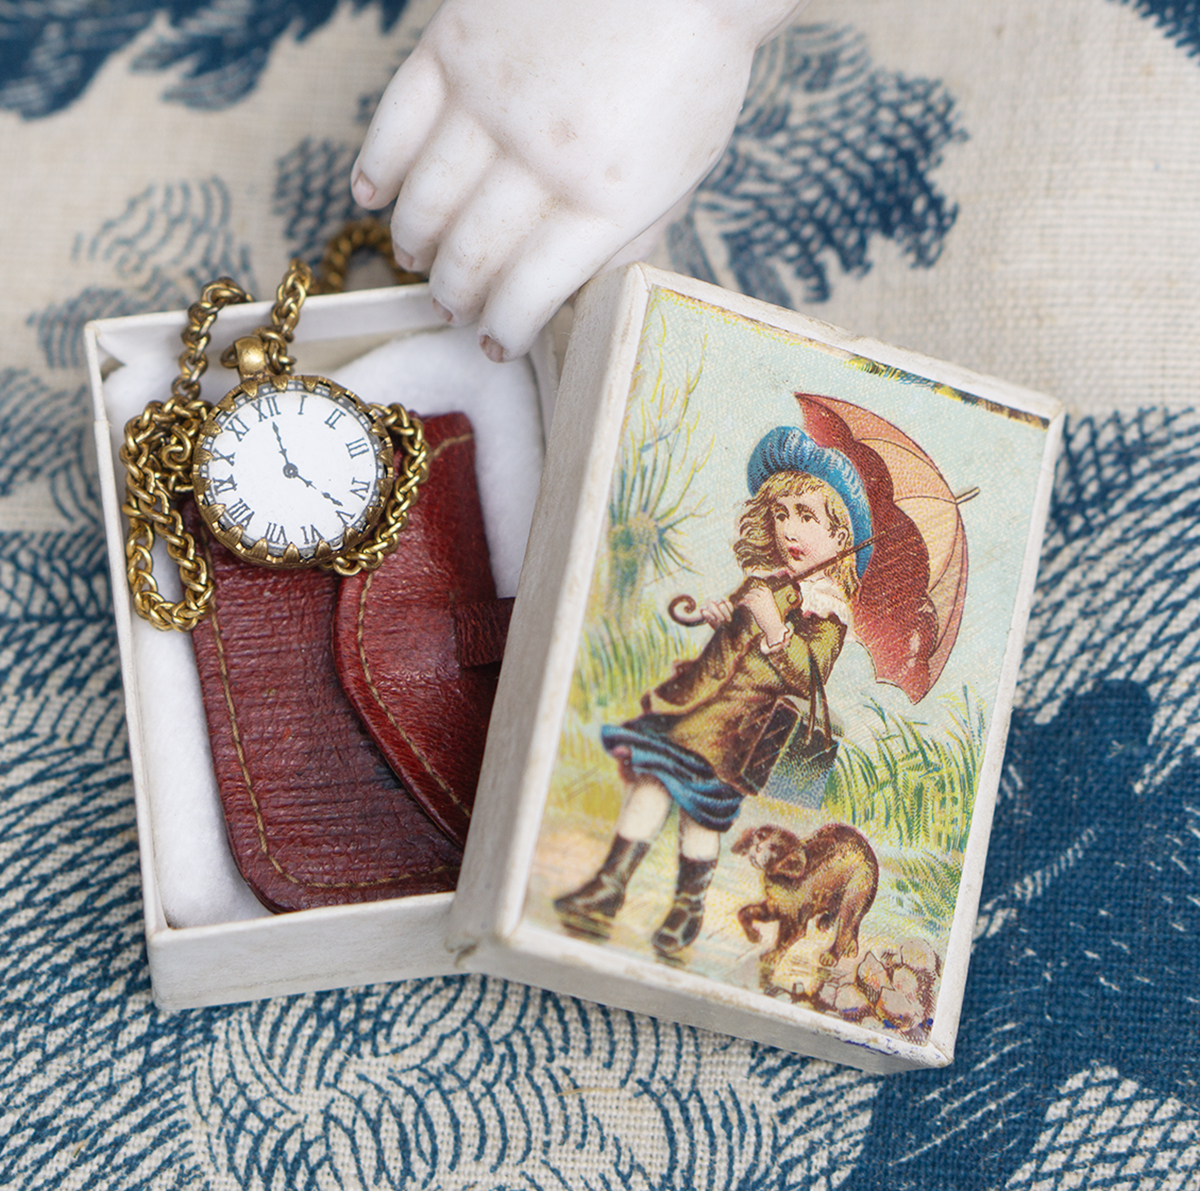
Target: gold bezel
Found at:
292, 555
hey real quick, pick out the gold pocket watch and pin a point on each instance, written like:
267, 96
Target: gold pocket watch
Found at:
286, 471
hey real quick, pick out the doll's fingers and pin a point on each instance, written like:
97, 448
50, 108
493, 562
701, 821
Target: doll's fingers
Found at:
407, 113
544, 274
442, 180
486, 236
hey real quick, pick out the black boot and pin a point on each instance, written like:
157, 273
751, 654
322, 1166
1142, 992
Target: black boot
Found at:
598, 901
682, 924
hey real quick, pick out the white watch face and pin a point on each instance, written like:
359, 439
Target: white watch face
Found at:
290, 471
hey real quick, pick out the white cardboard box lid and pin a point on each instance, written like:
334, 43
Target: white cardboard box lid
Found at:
488, 922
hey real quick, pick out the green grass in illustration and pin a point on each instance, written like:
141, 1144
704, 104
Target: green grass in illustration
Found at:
651, 499
926, 889
913, 794
912, 789
616, 667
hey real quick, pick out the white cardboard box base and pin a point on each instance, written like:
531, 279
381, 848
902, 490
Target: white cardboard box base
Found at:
209, 940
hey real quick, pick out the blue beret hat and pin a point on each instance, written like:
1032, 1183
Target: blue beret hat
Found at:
788, 448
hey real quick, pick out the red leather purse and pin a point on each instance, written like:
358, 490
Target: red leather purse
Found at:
303, 673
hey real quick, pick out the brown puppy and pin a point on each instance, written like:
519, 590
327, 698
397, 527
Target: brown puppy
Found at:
829, 877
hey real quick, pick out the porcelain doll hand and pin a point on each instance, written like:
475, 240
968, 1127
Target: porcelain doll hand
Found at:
715, 613
531, 141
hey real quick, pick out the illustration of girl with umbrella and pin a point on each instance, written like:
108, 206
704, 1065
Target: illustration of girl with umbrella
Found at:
804, 545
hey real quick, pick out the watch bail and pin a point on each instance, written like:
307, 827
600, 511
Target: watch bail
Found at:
251, 356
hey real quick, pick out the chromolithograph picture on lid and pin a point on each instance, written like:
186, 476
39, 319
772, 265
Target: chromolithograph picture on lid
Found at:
791, 658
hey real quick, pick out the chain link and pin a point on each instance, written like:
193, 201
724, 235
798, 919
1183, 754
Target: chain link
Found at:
157, 454
278, 334
160, 441
409, 435
193, 363
365, 233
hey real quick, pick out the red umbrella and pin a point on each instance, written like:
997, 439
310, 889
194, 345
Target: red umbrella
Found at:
910, 604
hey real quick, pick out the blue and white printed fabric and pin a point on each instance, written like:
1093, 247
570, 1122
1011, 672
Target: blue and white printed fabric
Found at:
1008, 184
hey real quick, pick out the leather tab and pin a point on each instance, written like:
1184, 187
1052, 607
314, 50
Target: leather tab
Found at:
481, 630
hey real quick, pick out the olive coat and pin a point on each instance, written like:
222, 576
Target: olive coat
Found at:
720, 702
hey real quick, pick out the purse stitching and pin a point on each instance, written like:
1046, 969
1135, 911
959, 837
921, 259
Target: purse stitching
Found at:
362, 655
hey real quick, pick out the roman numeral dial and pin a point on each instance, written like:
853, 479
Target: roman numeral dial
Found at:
291, 471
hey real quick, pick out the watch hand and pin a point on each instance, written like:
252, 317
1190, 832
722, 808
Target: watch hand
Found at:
289, 468
292, 472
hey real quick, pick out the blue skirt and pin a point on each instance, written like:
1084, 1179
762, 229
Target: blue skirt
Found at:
688, 777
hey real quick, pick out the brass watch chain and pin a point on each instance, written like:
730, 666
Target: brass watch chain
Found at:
160, 442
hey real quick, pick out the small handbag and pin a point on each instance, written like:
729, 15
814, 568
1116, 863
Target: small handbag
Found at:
302, 673
797, 749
